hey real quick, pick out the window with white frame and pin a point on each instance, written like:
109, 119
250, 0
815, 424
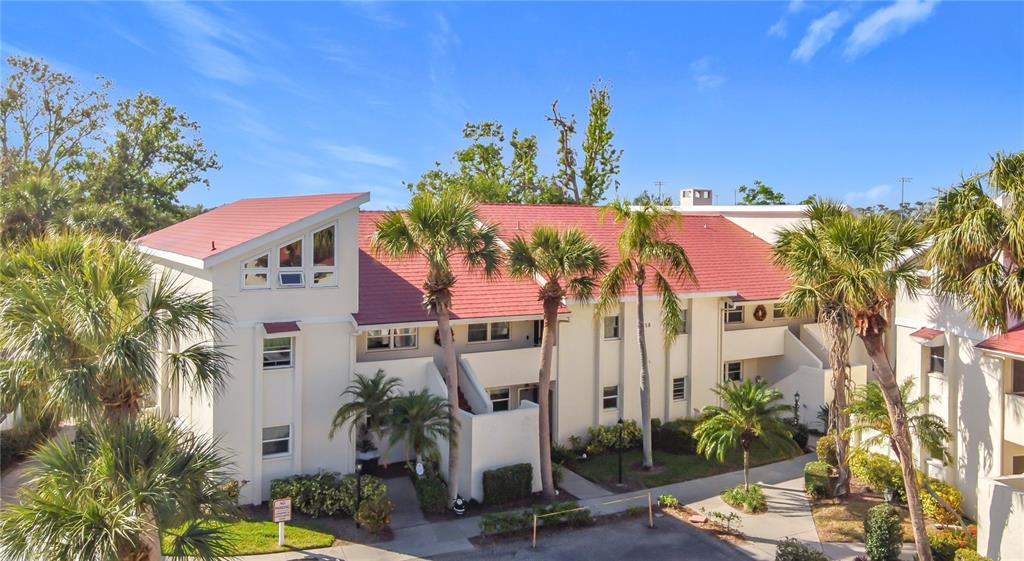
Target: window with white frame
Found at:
937, 359
733, 371
277, 440
497, 331
289, 262
277, 352
678, 389
501, 398
778, 311
610, 397
733, 313
401, 338
325, 259
528, 393
611, 327
256, 272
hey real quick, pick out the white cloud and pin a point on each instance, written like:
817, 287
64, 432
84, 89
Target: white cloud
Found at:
795, 6
214, 47
886, 22
361, 155
778, 29
819, 33
704, 74
871, 196
309, 183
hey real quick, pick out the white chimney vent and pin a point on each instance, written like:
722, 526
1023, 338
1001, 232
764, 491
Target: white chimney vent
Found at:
695, 197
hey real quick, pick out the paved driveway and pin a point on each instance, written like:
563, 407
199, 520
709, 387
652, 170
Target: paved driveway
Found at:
670, 539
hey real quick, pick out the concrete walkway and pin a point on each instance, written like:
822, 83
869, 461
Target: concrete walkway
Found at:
407, 511
581, 487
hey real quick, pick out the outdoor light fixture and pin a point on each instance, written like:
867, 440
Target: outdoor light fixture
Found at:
359, 487
459, 505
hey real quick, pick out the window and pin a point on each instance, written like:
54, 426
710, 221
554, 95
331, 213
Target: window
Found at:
528, 393
1017, 378
402, 338
610, 397
778, 311
256, 272
497, 331
277, 352
733, 371
1017, 467
678, 389
325, 271
686, 321
500, 398
611, 327
937, 359
733, 314
289, 259
277, 440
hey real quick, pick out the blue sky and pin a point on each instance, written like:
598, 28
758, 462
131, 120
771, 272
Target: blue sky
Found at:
838, 99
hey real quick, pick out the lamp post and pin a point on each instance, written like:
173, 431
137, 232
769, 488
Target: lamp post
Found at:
796, 408
359, 487
619, 446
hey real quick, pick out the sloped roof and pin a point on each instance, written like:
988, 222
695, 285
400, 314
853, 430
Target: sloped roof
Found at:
1011, 342
225, 227
927, 333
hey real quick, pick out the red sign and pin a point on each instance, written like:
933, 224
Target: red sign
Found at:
281, 509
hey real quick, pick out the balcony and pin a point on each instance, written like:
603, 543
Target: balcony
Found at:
743, 344
506, 367
1013, 418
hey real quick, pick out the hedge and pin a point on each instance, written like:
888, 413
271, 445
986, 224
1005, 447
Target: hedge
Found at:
675, 437
432, 493
508, 484
879, 472
602, 438
327, 494
883, 533
969, 555
791, 549
522, 520
817, 479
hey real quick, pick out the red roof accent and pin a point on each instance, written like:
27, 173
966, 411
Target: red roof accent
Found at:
927, 333
236, 223
281, 327
1010, 342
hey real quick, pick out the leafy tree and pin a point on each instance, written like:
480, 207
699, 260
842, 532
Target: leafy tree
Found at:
760, 194
440, 227
644, 249
977, 249
600, 158
421, 419
871, 420
367, 405
85, 317
656, 199
750, 411
110, 494
30, 204
801, 251
906, 211
570, 264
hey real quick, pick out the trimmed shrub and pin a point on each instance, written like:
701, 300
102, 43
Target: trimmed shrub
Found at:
969, 555
791, 549
522, 520
561, 454
505, 522
432, 493
879, 472
932, 508
601, 439
817, 479
375, 514
801, 434
826, 449
746, 498
668, 501
945, 543
508, 484
675, 437
883, 533
326, 494
557, 474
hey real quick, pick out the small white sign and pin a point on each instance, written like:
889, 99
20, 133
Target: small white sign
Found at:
281, 509
419, 469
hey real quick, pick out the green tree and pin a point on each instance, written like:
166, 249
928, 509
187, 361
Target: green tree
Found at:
110, 494
600, 158
439, 228
647, 198
644, 249
31, 204
421, 419
90, 321
801, 251
750, 411
977, 243
871, 420
760, 194
570, 264
367, 405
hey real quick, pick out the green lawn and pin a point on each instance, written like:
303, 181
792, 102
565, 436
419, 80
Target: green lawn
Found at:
252, 537
668, 468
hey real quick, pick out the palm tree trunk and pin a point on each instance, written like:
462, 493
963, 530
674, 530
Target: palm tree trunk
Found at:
452, 378
746, 468
645, 378
151, 540
838, 341
543, 390
901, 439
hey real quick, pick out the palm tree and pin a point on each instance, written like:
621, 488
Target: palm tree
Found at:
89, 321
644, 250
111, 494
368, 406
871, 420
420, 419
441, 227
976, 252
800, 251
873, 259
569, 263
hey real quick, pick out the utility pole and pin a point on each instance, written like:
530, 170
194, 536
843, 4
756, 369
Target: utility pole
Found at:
903, 184
659, 185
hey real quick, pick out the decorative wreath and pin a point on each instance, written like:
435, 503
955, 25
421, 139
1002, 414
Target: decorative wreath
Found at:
760, 313
437, 336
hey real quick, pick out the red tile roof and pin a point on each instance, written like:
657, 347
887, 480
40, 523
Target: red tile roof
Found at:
725, 258
236, 223
1011, 342
927, 333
